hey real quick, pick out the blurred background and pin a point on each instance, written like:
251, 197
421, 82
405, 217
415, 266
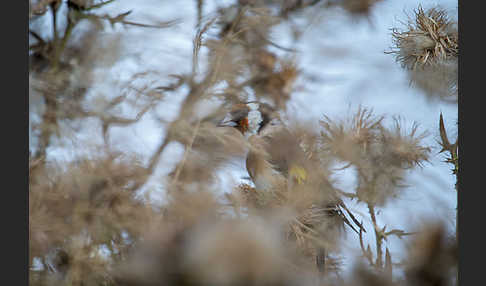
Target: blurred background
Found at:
343, 59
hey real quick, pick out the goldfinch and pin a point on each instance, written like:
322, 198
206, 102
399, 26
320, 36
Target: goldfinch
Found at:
277, 158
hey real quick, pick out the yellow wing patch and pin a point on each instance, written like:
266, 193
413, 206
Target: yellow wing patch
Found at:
298, 173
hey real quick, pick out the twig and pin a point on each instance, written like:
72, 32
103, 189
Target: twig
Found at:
186, 153
54, 20
352, 218
366, 254
37, 37
197, 45
199, 11
120, 121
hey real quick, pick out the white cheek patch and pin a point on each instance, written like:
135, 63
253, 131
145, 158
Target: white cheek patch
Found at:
254, 119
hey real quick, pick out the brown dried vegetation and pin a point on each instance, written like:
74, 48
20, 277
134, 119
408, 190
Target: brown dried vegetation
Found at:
380, 154
91, 224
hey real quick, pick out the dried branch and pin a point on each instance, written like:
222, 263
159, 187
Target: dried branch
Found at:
453, 156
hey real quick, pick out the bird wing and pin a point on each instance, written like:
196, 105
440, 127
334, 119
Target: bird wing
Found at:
282, 147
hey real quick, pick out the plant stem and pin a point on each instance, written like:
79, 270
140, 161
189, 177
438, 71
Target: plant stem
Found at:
59, 47
54, 22
379, 254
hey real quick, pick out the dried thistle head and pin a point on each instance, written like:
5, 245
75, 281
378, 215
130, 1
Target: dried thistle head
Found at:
429, 49
405, 148
256, 25
237, 253
226, 60
381, 155
77, 211
211, 250
381, 171
363, 275
187, 209
248, 25
438, 80
431, 37
277, 85
432, 257
266, 60
350, 140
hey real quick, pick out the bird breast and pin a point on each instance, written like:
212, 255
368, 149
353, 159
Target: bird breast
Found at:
263, 174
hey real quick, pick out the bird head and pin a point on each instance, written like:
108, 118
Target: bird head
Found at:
249, 118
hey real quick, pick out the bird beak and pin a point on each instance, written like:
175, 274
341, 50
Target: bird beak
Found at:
227, 122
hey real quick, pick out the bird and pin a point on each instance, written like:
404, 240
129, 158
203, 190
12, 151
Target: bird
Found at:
278, 158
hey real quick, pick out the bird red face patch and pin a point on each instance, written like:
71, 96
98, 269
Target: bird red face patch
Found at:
248, 118
243, 125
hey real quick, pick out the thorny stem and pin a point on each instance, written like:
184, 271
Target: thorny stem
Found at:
379, 237
450, 148
454, 159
